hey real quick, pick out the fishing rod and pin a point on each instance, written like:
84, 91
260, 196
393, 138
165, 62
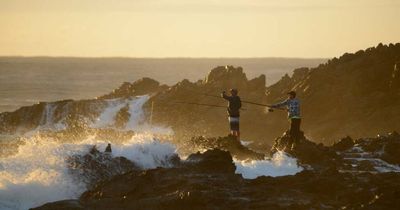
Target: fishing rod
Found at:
243, 101
201, 104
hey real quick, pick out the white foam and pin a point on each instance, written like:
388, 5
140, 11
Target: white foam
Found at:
48, 122
280, 165
107, 117
136, 112
38, 174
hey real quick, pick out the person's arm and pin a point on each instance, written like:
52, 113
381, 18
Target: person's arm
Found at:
281, 104
223, 95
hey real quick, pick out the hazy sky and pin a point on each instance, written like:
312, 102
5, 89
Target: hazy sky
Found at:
196, 28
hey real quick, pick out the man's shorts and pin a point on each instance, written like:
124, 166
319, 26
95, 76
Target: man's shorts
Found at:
234, 123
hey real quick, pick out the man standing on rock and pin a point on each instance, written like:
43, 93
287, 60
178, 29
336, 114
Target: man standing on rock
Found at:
293, 108
234, 105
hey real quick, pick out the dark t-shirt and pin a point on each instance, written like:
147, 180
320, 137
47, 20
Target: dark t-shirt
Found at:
234, 105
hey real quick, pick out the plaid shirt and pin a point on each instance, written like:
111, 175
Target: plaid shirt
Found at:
293, 107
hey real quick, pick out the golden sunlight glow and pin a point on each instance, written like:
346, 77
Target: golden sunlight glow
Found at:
195, 28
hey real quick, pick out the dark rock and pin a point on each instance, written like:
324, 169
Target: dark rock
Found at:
97, 166
395, 81
365, 166
306, 151
122, 117
208, 181
213, 161
228, 143
140, 87
327, 96
344, 144
386, 147
61, 205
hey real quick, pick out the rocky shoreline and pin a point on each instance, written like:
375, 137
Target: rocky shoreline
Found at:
208, 180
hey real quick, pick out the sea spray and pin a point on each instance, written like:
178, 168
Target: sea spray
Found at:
107, 119
38, 173
279, 165
135, 109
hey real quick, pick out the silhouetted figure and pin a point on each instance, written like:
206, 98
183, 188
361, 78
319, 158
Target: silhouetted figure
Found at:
234, 106
108, 149
94, 150
293, 108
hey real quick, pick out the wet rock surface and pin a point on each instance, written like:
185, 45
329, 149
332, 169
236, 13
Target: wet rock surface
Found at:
306, 151
98, 166
208, 181
227, 143
374, 154
362, 155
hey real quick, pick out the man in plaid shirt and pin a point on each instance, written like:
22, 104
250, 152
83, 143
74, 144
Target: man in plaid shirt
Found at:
293, 107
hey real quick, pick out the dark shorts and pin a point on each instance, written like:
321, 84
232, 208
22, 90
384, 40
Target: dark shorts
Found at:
234, 123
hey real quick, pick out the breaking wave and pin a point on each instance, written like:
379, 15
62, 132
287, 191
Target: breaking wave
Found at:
279, 165
38, 173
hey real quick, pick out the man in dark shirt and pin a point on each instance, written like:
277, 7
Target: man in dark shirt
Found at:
234, 105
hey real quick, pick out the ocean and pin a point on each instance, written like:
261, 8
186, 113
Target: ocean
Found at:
28, 80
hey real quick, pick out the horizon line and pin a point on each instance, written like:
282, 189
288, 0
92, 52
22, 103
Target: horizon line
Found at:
172, 57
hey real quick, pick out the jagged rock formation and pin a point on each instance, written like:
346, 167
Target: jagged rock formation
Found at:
227, 143
189, 120
98, 166
309, 153
67, 111
208, 181
186, 120
372, 155
356, 94
140, 87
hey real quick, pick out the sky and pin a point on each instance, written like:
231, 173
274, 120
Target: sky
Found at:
196, 28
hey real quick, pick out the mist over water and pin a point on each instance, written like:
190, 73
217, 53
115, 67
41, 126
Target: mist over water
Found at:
38, 172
